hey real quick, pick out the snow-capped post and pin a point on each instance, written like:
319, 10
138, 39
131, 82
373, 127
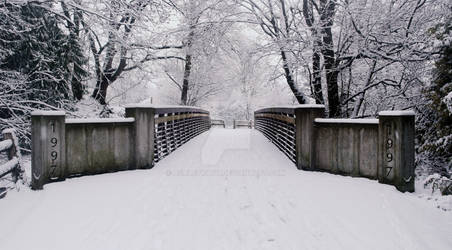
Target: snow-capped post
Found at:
143, 133
396, 149
48, 147
8, 135
304, 120
10, 145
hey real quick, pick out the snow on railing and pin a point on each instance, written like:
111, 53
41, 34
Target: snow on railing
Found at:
9, 144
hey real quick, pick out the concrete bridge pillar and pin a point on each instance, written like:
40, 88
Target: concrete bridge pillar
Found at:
304, 131
396, 149
48, 147
143, 133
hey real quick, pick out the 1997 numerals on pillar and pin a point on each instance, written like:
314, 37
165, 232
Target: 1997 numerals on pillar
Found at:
389, 147
53, 153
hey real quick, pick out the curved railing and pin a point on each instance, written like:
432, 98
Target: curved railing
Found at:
176, 126
278, 125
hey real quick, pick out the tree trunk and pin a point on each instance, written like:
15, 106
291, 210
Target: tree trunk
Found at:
76, 82
187, 72
100, 92
188, 63
317, 78
317, 44
331, 71
77, 87
333, 88
298, 95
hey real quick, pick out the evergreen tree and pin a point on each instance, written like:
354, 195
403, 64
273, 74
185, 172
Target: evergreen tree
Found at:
435, 123
39, 49
41, 66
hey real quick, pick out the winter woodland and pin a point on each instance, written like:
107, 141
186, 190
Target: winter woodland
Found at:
358, 57
229, 188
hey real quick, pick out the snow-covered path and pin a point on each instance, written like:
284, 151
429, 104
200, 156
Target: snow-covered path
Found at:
225, 189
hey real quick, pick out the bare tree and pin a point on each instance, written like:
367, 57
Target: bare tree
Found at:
203, 26
276, 22
113, 31
392, 38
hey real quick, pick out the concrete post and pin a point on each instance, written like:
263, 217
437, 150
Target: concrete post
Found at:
143, 133
304, 120
48, 139
396, 149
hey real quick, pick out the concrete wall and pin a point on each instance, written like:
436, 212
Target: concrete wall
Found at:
380, 149
63, 148
101, 147
346, 148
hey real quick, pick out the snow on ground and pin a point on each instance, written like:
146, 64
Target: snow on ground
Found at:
225, 189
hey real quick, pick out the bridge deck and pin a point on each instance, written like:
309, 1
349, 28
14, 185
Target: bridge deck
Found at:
226, 189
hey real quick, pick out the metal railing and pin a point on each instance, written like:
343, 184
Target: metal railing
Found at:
278, 125
176, 126
354, 147
62, 149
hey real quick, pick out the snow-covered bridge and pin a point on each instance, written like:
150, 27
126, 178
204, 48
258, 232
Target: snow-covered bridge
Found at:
217, 188
380, 148
224, 189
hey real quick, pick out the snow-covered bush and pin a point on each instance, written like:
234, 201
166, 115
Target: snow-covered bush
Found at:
436, 182
448, 101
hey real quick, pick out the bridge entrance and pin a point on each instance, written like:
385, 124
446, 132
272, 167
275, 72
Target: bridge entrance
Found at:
380, 149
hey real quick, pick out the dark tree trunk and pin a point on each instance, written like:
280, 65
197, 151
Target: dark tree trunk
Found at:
334, 104
77, 88
76, 57
331, 69
317, 78
298, 95
332, 73
187, 72
102, 95
100, 92
108, 74
317, 44
188, 63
